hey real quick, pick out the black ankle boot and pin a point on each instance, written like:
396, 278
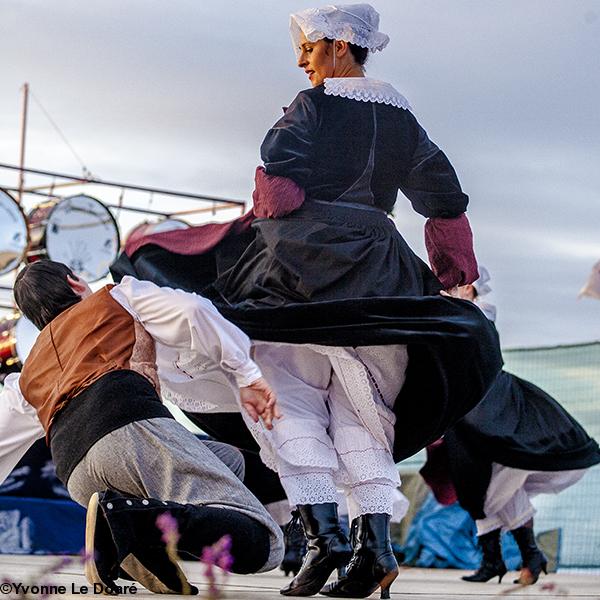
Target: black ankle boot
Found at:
533, 559
373, 563
133, 525
295, 545
328, 549
139, 547
492, 564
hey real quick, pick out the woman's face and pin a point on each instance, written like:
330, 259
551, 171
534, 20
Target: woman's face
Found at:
316, 58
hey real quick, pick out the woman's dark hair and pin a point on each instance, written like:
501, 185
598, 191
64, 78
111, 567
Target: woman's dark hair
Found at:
359, 53
42, 291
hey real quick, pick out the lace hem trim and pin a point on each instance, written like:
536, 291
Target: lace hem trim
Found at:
368, 465
310, 488
366, 89
371, 498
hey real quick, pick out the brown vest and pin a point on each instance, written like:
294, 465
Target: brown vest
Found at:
88, 340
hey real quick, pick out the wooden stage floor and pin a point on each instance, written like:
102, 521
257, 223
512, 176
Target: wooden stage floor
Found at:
412, 584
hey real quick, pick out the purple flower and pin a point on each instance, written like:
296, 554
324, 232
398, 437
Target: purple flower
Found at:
167, 524
219, 554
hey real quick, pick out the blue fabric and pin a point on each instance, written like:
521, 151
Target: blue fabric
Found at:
34, 476
446, 537
41, 526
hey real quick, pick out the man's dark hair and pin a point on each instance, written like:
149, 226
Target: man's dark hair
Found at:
42, 291
359, 53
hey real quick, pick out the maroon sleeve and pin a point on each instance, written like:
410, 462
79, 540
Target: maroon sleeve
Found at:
275, 196
449, 244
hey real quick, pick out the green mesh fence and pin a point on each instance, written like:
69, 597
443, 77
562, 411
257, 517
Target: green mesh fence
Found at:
572, 375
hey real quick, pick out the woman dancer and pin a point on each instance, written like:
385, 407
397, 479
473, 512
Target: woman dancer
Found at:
516, 444
367, 358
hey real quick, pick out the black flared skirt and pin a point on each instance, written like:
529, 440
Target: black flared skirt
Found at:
519, 425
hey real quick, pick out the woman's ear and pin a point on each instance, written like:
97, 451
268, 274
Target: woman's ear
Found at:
341, 48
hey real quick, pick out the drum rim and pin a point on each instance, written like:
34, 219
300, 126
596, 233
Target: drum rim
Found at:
27, 236
142, 223
56, 204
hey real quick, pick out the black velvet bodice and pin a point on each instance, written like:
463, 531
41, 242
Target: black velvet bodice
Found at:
340, 149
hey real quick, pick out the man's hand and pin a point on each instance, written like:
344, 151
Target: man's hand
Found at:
258, 400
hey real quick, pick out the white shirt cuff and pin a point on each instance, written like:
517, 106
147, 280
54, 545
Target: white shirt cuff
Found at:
247, 374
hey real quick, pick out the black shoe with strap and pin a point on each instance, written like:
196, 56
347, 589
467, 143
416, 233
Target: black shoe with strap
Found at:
492, 564
328, 549
533, 559
373, 563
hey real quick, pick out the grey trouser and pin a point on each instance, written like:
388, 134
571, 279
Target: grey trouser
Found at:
229, 455
159, 458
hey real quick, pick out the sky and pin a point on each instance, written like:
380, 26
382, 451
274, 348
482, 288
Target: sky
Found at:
179, 95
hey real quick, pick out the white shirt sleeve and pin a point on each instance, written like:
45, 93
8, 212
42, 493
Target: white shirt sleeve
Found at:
185, 320
19, 425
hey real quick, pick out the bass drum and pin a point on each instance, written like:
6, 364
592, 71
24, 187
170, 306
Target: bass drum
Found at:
17, 336
14, 237
78, 231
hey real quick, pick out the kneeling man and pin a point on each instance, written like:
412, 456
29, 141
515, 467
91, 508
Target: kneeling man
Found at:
91, 386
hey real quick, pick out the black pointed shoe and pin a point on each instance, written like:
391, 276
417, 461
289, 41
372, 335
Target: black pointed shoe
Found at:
373, 563
328, 549
295, 545
533, 559
492, 564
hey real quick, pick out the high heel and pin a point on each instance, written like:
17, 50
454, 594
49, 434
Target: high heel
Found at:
492, 564
533, 559
373, 563
529, 575
328, 549
487, 572
386, 583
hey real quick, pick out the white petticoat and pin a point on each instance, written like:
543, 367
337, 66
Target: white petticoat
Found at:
508, 498
337, 428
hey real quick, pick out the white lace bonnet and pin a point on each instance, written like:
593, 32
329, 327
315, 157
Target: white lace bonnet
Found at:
353, 23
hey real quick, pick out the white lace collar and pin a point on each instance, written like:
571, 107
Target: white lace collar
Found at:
366, 90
